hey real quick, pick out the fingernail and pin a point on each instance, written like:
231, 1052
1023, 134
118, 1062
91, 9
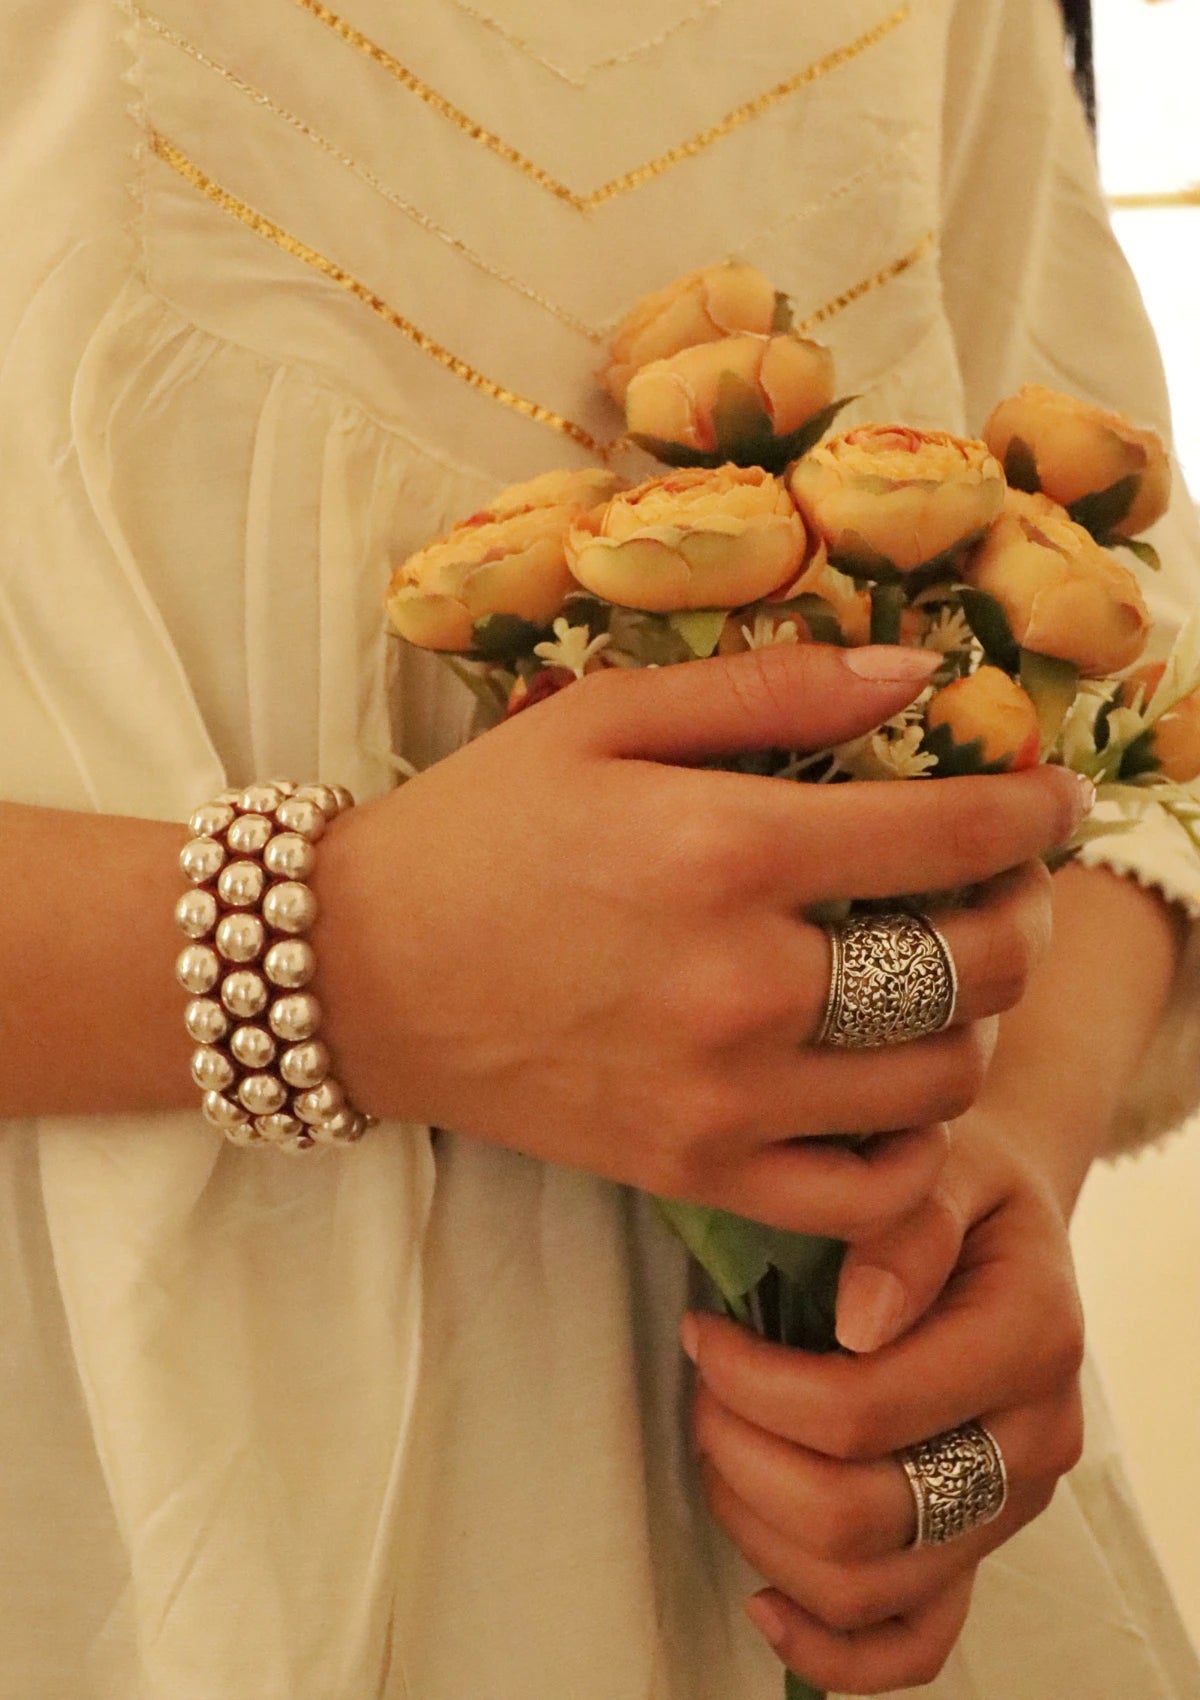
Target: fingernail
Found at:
1089, 792
767, 1618
689, 1337
870, 1308
888, 663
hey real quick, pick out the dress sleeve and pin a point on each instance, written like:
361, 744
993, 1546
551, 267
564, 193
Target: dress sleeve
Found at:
1038, 290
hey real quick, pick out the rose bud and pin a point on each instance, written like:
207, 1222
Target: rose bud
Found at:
989, 707
694, 539
1175, 736
1079, 450
508, 559
1063, 594
703, 306
775, 385
889, 496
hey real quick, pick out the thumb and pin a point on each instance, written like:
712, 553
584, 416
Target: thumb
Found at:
787, 696
889, 1281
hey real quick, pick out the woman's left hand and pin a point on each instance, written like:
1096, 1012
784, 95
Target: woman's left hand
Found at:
797, 1451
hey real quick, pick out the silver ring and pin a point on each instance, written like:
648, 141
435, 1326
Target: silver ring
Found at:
958, 1481
892, 980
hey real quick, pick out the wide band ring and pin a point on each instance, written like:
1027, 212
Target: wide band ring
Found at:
892, 980
958, 1481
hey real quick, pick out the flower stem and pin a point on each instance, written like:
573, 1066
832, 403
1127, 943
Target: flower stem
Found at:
795, 1689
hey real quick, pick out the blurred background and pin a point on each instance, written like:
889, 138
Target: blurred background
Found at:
1137, 1234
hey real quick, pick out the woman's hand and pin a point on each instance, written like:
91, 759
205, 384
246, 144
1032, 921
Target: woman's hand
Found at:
569, 940
796, 1451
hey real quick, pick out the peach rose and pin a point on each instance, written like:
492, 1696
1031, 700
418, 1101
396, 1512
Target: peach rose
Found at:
989, 707
764, 384
694, 539
1062, 593
508, 559
1079, 450
703, 306
1175, 736
896, 497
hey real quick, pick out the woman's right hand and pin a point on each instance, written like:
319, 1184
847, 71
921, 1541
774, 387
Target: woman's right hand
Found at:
567, 940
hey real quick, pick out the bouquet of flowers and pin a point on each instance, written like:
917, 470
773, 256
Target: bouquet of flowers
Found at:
998, 555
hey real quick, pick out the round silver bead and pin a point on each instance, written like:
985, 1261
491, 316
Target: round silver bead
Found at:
197, 968
262, 1094
244, 994
210, 820
320, 1103
241, 884
222, 1112
211, 1069
205, 1021
202, 859
281, 1127
240, 938
260, 799
345, 799
295, 1017
300, 814
249, 835
252, 1046
290, 857
305, 1066
290, 907
344, 1127
322, 795
196, 913
244, 1133
290, 963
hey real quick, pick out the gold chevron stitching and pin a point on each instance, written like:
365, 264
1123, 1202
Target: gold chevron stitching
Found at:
868, 284
261, 98
630, 179
625, 57
272, 232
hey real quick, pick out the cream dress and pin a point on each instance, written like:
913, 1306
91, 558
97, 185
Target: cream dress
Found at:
284, 291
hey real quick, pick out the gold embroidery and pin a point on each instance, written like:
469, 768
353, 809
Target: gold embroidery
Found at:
626, 57
628, 180
261, 98
867, 285
265, 227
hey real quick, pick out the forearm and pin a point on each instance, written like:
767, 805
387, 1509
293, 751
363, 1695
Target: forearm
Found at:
91, 1018
1068, 1051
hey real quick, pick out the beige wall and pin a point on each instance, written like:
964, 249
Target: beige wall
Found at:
1137, 1242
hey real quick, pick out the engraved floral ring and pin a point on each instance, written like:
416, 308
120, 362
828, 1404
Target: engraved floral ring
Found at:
958, 1481
892, 980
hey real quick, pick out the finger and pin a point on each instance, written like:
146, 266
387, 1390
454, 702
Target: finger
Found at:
991, 1344
890, 1279
904, 1653
845, 1191
851, 1525
911, 838
791, 697
998, 939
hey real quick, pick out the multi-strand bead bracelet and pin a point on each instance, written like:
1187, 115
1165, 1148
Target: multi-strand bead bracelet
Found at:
263, 1070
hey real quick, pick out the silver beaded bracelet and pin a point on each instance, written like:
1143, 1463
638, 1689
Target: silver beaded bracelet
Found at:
264, 1073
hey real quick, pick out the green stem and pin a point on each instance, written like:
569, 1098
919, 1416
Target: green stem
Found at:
795, 1689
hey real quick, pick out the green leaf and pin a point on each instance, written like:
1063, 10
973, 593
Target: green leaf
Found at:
1020, 467
582, 609
731, 1251
506, 637
955, 760
1146, 553
744, 436
782, 320
887, 605
989, 622
794, 1688
1138, 758
1053, 685
1100, 511
700, 628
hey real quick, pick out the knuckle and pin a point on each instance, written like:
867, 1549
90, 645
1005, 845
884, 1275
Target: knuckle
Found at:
840, 1535
856, 1430
1011, 960
1066, 1344
958, 1073
722, 1004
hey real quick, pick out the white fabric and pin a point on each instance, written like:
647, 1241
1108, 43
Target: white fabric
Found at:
298, 1431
